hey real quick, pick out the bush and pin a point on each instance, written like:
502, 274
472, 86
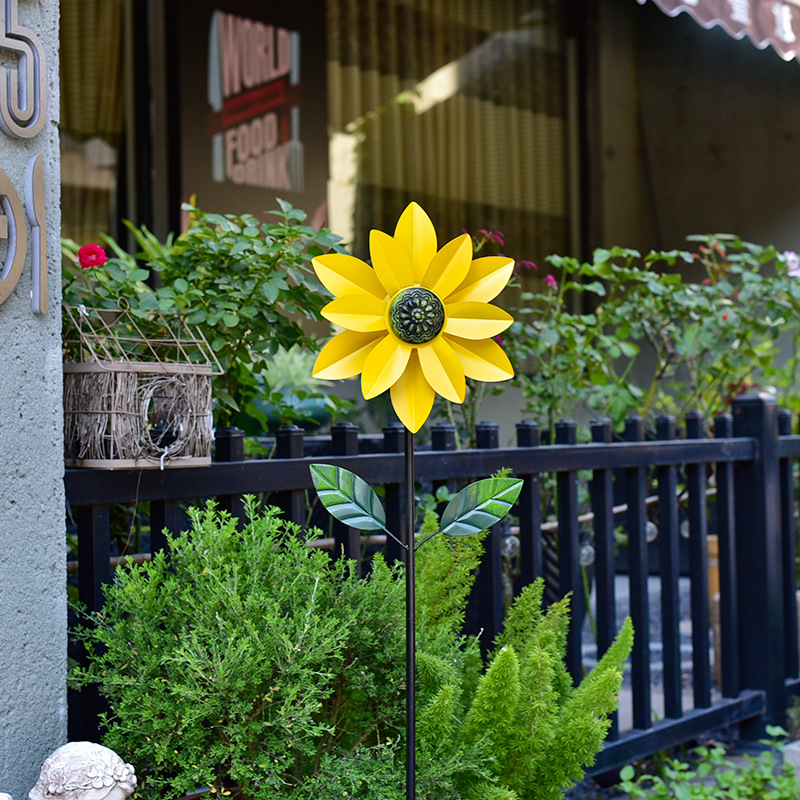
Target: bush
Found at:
248, 658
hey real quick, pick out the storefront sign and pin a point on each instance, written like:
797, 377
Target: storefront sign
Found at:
258, 130
254, 92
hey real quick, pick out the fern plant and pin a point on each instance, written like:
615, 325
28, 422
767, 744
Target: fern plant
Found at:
521, 715
249, 660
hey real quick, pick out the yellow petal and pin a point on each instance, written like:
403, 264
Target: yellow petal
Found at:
412, 396
476, 320
443, 370
487, 277
416, 234
344, 355
483, 360
449, 266
392, 263
357, 312
384, 366
341, 274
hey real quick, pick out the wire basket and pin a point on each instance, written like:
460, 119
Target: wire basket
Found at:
138, 392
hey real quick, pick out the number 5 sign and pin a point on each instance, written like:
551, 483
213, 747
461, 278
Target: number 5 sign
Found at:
23, 92
23, 105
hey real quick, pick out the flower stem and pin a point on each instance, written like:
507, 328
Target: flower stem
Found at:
411, 711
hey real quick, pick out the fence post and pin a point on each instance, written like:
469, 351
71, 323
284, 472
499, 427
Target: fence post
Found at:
758, 553
487, 597
394, 442
569, 567
443, 438
229, 446
788, 549
602, 494
529, 509
289, 443
669, 567
165, 515
601, 490
698, 567
728, 594
94, 570
636, 526
344, 442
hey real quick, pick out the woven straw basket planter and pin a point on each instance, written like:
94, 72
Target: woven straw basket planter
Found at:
136, 400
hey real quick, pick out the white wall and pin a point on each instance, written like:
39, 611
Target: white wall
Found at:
32, 541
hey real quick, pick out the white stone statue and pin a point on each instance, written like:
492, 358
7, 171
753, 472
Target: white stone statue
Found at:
83, 771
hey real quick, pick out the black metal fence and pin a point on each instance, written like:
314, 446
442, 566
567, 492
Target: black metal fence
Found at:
738, 485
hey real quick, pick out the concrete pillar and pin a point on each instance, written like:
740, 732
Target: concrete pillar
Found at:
33, 640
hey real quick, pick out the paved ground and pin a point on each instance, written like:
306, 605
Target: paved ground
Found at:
589, 789
656, 665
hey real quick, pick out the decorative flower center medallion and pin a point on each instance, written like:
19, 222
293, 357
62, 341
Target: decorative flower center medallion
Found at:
416, 315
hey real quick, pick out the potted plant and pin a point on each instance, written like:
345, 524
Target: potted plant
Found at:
246, 284
290, 395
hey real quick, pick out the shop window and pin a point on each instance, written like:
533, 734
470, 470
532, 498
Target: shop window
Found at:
458, 104
91, 64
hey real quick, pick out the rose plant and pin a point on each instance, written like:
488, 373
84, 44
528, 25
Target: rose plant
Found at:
665, 332
91, 256
246, 284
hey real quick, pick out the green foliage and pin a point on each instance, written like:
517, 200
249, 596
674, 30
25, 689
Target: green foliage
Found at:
630, 333
246, 284
713, 776
248, 658
536, 729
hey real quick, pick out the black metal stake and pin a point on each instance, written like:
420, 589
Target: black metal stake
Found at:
408, 541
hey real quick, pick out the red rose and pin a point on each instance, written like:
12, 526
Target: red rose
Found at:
91, 255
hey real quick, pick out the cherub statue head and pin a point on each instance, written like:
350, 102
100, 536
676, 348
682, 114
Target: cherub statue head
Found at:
84, 771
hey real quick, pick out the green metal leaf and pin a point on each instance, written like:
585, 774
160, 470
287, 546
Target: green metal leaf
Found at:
480, 505
348, 498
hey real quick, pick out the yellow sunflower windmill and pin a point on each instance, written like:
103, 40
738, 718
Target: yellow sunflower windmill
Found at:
418, 321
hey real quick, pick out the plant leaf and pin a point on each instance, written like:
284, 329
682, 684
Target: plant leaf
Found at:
479, 505
348, 498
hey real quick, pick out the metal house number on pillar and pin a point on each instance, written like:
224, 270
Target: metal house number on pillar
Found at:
23, 106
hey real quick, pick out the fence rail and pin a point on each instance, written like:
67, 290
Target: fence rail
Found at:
750, 461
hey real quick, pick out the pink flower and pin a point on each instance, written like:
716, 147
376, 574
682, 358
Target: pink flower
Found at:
493, 236
522, 264
793, 263
91, 255
725, 316
550, 282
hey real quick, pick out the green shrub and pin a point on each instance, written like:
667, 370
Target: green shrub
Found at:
713, 776
248, 658
248, 285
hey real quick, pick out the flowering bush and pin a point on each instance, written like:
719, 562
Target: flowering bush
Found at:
630, 334
646, 340
248, 285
